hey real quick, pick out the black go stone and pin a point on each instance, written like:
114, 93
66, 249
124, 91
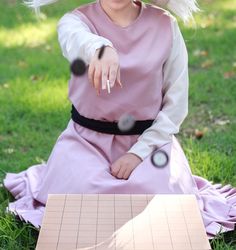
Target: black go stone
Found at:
78, 67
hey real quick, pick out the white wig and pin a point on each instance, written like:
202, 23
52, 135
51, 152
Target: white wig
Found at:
181, 8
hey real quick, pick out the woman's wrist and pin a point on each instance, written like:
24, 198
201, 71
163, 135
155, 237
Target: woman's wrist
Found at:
109, 46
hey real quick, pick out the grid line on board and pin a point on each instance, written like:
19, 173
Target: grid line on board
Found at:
122, 222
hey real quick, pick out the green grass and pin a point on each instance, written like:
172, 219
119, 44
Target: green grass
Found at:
34, 108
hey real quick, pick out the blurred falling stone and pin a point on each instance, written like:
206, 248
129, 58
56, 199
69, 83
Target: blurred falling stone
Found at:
159, 158
126, 122
78, 67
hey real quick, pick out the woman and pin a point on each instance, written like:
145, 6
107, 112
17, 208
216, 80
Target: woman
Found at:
146, 58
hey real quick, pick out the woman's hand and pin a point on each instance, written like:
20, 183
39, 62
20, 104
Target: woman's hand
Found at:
106, 68
123, 167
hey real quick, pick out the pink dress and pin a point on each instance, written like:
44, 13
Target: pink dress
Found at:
81, 158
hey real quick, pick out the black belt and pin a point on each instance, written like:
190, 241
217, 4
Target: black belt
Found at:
109, 127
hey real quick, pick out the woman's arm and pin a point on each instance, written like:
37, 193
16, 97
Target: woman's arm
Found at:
175, 100
76, 39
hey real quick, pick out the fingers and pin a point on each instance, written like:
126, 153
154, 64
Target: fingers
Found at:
124, 166
91, 73
101, 75
113, 73
97, 79
126, 174
118, 78
121, 171
104, 77
104, 71
96, 75
115, 168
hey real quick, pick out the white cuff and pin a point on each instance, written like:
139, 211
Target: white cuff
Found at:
141, 149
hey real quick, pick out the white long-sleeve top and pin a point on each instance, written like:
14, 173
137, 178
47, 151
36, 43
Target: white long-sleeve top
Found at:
76, 40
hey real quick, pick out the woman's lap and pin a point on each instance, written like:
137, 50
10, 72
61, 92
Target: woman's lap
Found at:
78, 164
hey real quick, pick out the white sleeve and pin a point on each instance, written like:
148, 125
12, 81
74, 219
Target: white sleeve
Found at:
175, 99
76, 39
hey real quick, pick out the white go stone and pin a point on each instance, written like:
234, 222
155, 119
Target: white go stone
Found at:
159, 158
126, 122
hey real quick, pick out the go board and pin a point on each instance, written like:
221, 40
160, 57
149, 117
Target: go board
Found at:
122, 222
